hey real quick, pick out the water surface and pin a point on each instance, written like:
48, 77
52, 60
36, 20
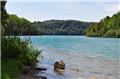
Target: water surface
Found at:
85, 57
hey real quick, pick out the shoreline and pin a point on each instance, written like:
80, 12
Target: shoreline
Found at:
25, 76
30, 74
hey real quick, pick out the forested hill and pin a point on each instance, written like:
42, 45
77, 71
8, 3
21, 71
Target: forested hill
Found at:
107, 27
62, 27
20, 26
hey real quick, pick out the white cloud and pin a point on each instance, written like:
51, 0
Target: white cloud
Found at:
112, 9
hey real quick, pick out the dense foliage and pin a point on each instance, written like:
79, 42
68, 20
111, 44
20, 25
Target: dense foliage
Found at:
3, 14
107, 27
21, 49
62, 27
10, 68
21, 26
16, 53
16, 25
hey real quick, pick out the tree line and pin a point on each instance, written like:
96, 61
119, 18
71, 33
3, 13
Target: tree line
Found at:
107, 27
20, 26
62, 27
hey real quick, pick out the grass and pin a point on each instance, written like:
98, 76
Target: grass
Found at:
9, 68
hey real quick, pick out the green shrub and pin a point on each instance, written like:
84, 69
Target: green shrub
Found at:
14, 47
15, 53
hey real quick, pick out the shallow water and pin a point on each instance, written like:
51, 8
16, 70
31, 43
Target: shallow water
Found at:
85, 57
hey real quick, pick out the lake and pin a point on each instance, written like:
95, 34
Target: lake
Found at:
85, 57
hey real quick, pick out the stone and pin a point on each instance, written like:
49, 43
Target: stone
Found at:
59, 65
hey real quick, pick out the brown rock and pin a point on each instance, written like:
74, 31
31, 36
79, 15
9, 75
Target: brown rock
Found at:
59, 65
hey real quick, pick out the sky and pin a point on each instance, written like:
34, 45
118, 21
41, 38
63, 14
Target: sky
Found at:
63, 0
83, 10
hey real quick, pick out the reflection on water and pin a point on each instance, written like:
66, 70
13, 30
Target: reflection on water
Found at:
59, 71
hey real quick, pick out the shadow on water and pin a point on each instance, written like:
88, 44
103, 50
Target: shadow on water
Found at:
55, 74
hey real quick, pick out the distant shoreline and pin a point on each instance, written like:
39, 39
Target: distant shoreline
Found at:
48, 35
65, 35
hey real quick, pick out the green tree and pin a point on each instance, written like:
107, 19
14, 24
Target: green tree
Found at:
107, 27
17, 25
3, 15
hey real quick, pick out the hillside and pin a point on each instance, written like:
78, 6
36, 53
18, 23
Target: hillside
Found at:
20, 26
62, 27
107, 27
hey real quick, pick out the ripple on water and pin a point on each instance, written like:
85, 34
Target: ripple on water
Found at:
84, 57
78, 66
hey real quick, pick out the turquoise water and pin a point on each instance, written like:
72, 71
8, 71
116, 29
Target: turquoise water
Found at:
85, 57
100, 47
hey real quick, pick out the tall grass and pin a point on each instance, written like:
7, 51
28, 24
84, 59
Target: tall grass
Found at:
15, 53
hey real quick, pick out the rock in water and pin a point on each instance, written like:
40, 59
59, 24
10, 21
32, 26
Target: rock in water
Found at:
59, 65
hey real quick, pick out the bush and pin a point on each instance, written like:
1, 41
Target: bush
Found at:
15, 53
14, 47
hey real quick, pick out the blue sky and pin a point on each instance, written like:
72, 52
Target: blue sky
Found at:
76, 10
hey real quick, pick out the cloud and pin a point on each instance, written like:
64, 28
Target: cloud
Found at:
112, 9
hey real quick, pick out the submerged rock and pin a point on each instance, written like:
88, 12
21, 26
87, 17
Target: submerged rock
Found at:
93, 78
59, 71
